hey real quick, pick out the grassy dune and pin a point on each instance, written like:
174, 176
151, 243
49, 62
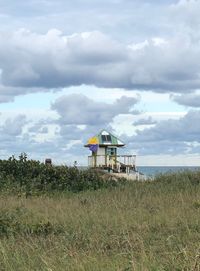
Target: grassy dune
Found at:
138, 226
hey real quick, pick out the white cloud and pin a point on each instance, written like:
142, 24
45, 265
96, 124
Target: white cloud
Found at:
53, 60
170, 136
109, 49
191, 99
146, 122
80, 110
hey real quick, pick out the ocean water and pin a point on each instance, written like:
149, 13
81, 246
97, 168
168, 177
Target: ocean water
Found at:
152, 171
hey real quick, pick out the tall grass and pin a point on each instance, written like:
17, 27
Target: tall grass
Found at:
139, 226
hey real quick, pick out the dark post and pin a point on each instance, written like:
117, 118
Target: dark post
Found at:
48, 162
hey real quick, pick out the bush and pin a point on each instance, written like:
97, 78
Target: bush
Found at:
29, 176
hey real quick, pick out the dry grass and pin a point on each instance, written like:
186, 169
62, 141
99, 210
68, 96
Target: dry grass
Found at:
141, 226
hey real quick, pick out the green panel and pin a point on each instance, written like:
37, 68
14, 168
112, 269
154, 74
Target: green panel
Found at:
114, 140
100, 139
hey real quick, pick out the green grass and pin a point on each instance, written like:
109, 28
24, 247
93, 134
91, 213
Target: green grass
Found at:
138, 226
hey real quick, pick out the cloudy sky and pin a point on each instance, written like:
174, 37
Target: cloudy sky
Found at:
71, 68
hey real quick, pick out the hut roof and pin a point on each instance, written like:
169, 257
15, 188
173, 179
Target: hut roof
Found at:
104, 138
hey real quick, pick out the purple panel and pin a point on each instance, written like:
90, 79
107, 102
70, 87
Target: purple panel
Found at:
93, 147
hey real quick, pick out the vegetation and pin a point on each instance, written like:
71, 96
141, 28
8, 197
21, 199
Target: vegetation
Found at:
138, 226
30, 177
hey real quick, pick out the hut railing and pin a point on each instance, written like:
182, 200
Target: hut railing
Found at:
111, 160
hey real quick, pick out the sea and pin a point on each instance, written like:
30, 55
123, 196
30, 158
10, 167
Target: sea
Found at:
152, 171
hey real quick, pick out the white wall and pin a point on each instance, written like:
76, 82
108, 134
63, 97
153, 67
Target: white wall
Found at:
101, 156
101, 151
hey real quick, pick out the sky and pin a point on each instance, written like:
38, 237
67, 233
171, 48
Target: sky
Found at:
69, 69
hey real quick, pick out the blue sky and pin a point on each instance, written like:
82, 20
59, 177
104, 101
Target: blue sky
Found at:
71, 68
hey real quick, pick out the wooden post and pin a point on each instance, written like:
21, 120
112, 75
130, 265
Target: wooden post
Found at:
106, 160
95, 159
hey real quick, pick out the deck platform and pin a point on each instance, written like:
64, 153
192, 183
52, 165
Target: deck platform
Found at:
114, 163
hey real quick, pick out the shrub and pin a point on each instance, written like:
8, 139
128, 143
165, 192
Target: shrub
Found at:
29, 176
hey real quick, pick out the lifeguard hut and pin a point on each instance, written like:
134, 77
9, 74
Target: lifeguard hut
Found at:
104, 154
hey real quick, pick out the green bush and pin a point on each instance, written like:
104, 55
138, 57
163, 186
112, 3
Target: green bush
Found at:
29, 176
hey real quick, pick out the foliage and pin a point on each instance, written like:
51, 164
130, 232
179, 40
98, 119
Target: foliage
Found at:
30, 176
140, 226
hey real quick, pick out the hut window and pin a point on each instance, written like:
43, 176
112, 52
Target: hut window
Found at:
111, 151
106, 138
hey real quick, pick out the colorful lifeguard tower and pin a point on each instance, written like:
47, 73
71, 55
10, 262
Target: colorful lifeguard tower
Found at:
104, 147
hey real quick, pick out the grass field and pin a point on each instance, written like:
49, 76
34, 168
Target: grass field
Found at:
138, 226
